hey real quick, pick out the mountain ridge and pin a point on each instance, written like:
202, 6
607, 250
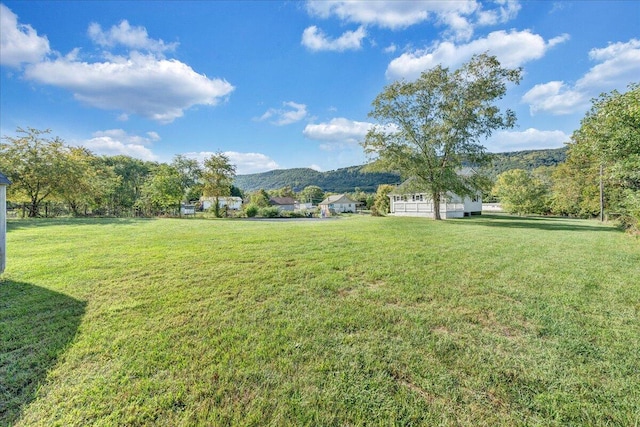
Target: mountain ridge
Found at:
349, 178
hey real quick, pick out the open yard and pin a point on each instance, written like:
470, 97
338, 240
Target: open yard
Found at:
491, 320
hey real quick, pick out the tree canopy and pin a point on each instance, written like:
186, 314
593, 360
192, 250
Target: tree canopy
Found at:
609, 140
217, 177
520, 192
429, 128
35, 164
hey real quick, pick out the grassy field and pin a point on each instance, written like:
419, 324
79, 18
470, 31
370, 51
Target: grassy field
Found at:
490, 320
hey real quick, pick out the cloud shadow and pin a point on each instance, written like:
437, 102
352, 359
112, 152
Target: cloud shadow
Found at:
36, 327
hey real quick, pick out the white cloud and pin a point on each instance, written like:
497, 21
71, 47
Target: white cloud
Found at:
558, 40
291, 112
316, 40
315, 167
618, 65
153, 136
396, 14
391, 48
117, 141
555, 97
459, 26
512, 49
504, 12
458, 17
530, 139
145, 84
246, 163
126, 35
338, 131
19, 43
159, 89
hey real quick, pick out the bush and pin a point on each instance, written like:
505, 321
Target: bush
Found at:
269, 212
251, 210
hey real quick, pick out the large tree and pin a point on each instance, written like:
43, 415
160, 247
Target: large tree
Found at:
163, 191
133, 174
86, 181
35, 164
520, 192
608, 141
381, 203
429, 128
190, 174
311, 194
217, 177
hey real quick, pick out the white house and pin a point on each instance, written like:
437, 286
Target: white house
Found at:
233, 202
407, 200
4, 181
339, 203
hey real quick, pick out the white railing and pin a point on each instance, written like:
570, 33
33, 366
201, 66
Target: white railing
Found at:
426, 207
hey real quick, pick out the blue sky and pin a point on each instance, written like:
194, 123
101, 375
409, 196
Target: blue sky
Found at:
282, 84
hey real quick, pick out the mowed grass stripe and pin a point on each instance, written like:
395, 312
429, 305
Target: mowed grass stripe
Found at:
493, 320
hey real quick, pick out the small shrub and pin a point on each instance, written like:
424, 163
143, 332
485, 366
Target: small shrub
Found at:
269, 212
251, 210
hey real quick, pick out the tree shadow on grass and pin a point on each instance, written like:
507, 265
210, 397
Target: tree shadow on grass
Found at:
36, 326
541, 223
16, 224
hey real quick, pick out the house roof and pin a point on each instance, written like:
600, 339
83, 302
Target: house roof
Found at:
338, 198
4, 180
282, 201
409, 186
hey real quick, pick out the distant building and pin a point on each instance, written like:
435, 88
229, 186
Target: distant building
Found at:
186, 209
339, 203
283, 203
232, 202
4, 181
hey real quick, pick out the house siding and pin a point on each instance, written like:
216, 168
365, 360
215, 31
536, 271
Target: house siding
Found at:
339, 203
420, 205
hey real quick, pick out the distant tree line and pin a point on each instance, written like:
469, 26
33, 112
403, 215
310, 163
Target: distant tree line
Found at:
52, 178
601, 175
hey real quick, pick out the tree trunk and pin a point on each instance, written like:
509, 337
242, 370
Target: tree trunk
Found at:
33, 209
216, 209
73, 206
436, 206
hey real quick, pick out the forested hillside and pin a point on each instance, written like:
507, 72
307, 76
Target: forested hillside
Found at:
527, 160
336, 181
347, 179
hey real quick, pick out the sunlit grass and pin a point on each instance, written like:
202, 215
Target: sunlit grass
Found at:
481, 321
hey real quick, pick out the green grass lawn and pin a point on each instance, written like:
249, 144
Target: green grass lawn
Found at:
491, 320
